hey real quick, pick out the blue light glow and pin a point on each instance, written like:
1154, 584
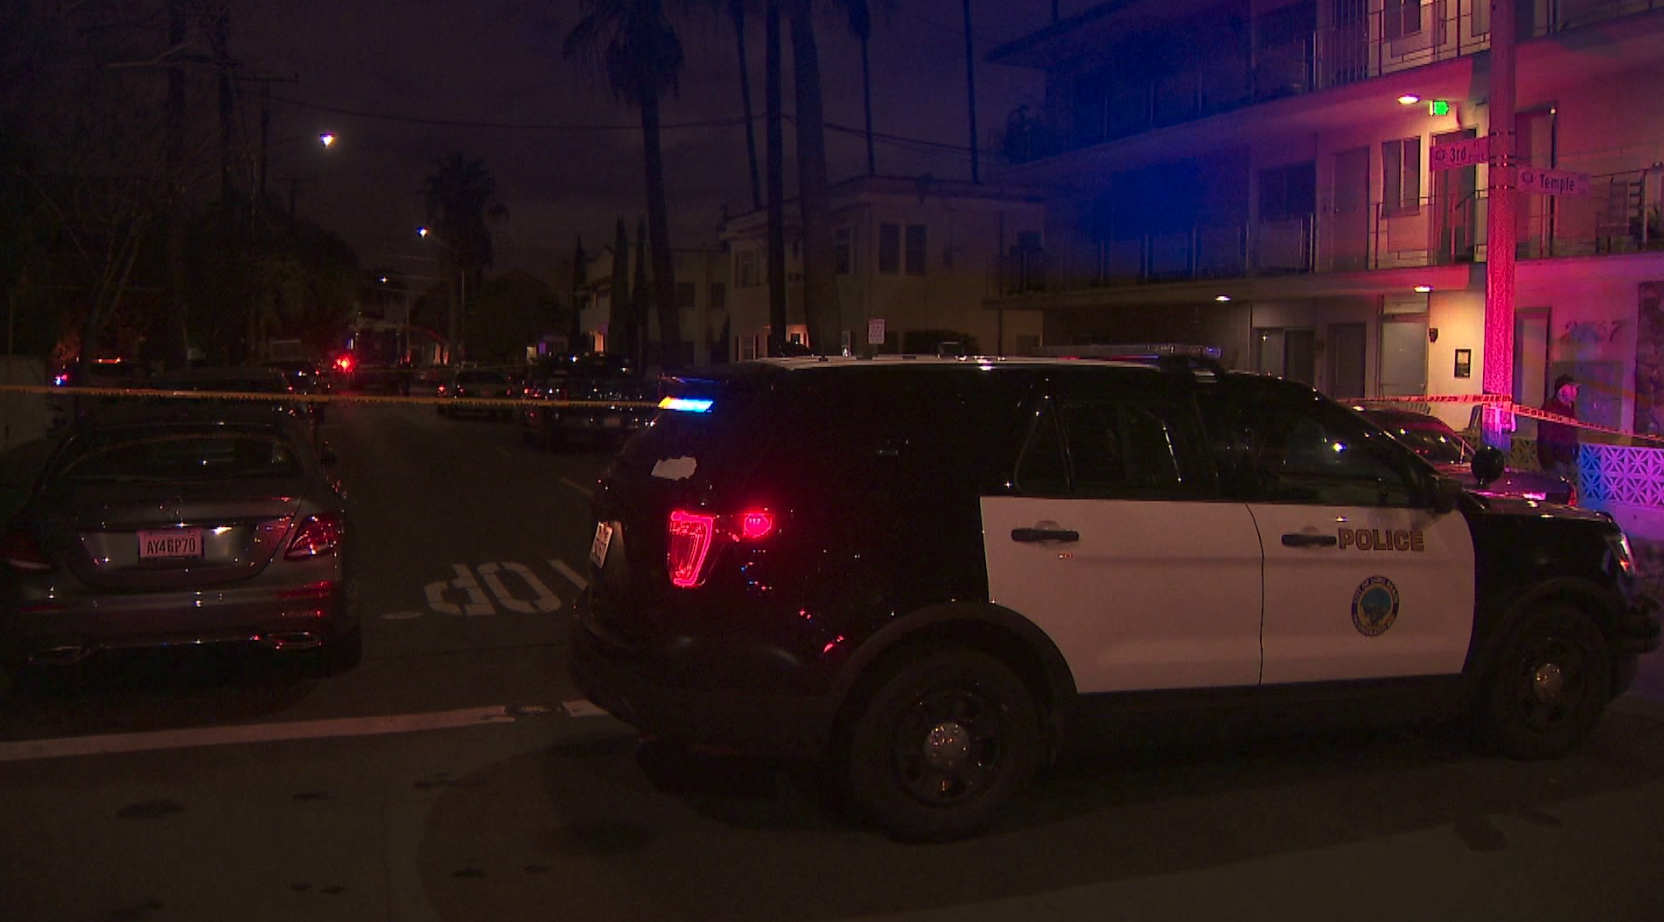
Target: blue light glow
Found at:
686, 404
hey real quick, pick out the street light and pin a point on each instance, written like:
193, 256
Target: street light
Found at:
459, 299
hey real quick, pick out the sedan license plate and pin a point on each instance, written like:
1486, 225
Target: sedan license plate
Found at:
170, 544
598, 547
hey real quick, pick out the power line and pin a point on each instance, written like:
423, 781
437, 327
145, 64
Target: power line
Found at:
728, 122
503, 126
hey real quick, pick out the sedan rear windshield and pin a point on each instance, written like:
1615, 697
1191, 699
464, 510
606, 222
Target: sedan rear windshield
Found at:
175, 457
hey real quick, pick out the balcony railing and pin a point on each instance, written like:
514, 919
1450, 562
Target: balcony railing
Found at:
1625, 214
1341, 52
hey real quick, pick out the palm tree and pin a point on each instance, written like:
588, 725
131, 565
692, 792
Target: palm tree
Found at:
860, 26
631, 43
580, 278
621, 334
457, 197
736, 12
820, 290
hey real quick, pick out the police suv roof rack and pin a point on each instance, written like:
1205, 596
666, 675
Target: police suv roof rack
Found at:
1175, 357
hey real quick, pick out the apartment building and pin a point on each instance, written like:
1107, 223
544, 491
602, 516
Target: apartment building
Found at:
1267, 177
911, 259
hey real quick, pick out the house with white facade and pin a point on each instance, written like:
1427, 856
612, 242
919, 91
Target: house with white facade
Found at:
911, 259
701, 298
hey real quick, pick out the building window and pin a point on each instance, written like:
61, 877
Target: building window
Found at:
915, 249
843, 251
745, 269
719, 296
1401, 18
1401, 176
686, 299
889, 249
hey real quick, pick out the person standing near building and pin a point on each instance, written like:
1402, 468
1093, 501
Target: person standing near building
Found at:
1557, 442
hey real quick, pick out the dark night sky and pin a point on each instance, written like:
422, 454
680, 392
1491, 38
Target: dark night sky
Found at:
431, 76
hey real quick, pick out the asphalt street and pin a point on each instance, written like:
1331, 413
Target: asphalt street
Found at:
457, 774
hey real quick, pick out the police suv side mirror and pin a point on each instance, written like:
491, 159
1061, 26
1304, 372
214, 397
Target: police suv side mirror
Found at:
1447, 491
1488, 465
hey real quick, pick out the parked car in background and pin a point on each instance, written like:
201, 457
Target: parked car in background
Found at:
304, 378
102, 373
542, 380
476, 383
263, 387
602, 396
426, 382
174, 524
1443, 447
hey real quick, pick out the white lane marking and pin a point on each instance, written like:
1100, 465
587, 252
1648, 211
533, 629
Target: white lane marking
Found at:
401, 615
477, 603
545, 601
578, 486
571, 574
243, 734
582, 707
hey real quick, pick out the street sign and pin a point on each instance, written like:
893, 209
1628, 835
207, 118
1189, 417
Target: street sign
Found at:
1554, 182
875, 331
1456, 154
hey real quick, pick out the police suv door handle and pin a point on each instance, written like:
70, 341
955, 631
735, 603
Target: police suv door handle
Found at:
1031, 535
1300, 540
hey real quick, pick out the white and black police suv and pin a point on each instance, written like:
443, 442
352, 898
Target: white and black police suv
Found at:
925, 573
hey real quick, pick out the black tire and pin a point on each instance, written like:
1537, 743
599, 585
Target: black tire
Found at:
340, 652
942, 744
1548, 685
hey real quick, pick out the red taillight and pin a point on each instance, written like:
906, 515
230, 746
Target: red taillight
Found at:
694, 535
20, 552
317, 536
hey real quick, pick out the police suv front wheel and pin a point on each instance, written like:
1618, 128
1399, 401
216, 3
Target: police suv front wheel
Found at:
1549, 683
942, 744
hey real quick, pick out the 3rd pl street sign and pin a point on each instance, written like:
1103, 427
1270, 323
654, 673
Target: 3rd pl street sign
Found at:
1456, 154
1554, 182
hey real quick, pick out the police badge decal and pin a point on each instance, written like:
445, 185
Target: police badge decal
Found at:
1374, 606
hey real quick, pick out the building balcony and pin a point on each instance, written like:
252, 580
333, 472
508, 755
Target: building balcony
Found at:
1624, 214
1275, 64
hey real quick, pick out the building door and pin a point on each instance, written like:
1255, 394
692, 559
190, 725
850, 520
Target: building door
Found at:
1286, 353
1455, 205
1346, 350
1349, 228
1403, 355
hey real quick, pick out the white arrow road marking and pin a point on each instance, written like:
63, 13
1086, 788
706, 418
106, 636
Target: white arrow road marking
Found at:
571, 574
546, 601
477, 603
401, 615
251, 733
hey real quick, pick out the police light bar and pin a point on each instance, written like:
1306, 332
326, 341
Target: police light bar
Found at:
686, 404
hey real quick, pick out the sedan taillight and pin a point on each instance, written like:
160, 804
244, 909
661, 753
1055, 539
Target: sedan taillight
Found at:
317, 536
20, 551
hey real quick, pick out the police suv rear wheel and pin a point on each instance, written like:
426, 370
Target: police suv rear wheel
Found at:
1548, 686
942, 744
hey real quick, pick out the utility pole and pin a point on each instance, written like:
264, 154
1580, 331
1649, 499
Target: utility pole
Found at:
970, 91
1498, 378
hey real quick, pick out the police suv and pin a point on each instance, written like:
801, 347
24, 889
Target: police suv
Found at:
925, 573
